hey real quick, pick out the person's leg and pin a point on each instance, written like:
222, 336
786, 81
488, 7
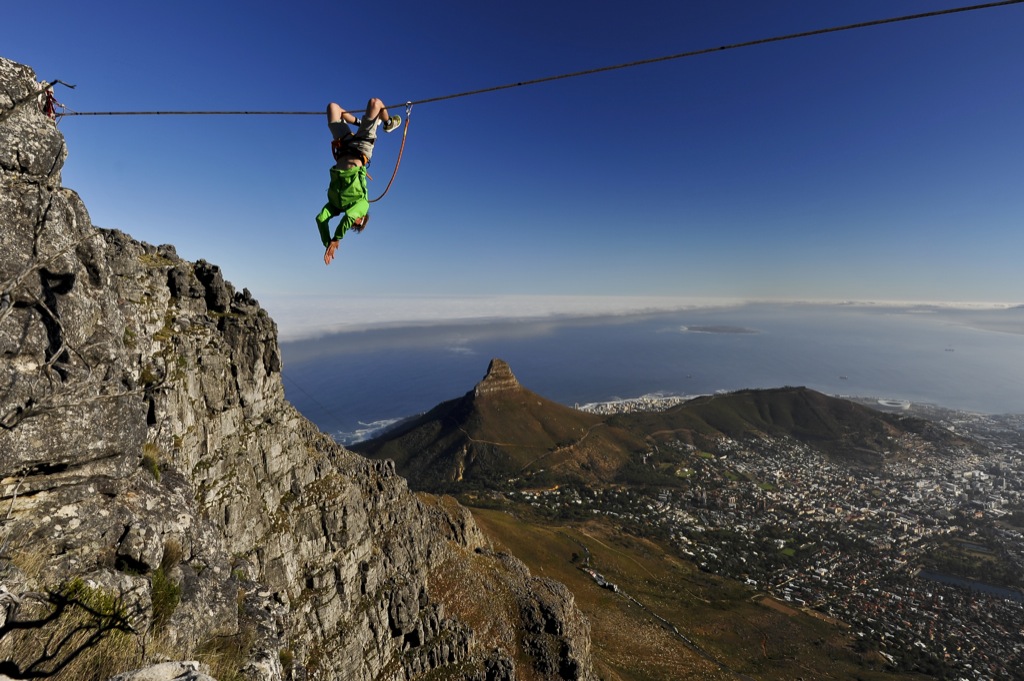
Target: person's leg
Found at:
337, 121
337, 118
322, 226
376, 111
366, 133
336, 113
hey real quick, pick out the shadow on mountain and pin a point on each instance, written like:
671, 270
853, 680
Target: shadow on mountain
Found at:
501, 435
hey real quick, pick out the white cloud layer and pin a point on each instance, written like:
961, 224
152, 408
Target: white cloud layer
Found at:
300, 317
303, 317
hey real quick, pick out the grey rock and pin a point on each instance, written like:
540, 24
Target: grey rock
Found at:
147, 452
499, 378
40, 154
167, 671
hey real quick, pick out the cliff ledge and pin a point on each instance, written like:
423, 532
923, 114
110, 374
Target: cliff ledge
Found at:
161, 500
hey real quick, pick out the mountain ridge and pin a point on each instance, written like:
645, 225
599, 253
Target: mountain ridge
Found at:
837, 427
509, 437
497, 431
164, 502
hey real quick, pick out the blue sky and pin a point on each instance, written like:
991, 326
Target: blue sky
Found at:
876, 164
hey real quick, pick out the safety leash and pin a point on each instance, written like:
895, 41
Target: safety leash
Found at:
405, 132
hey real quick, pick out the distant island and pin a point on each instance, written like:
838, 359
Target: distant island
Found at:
718, 329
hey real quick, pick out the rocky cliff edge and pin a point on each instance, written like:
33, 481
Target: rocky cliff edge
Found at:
160, 499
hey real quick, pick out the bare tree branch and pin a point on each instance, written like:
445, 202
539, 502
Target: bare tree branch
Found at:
62, 646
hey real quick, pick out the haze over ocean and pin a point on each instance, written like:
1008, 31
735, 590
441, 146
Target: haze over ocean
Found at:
352, 383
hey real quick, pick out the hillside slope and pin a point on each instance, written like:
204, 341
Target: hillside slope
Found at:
834, 426
500, 431
163, 501
501, 435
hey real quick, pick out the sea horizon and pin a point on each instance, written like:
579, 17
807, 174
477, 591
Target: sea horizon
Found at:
304, 317
353, 384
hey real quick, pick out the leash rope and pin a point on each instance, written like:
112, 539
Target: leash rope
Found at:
405, 132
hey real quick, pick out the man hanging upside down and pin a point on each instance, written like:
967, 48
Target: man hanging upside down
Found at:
346, 195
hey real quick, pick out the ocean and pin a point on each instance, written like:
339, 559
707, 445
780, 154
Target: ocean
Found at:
354, 383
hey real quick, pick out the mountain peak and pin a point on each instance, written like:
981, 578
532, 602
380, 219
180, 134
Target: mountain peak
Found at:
500, 431
499, 378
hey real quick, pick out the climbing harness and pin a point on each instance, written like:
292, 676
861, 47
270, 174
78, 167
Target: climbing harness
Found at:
342, 147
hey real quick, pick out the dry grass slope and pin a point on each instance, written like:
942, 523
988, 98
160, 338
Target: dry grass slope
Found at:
750, 634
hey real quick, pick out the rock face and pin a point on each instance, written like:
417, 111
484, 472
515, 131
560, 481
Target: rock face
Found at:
499, 378
156, 485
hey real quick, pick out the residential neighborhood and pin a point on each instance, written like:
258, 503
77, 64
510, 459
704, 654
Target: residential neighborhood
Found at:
922, 556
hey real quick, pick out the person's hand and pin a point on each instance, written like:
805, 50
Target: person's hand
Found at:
329, 254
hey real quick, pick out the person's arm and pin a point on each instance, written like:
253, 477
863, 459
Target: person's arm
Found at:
325, 214
361, 208
358, 210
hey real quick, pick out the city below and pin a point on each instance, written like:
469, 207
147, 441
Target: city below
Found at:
920, 556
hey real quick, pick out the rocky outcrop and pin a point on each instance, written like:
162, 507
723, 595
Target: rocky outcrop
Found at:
158, 490
499, 378
167, 671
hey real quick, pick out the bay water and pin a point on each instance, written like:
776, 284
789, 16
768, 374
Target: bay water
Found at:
352, 384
